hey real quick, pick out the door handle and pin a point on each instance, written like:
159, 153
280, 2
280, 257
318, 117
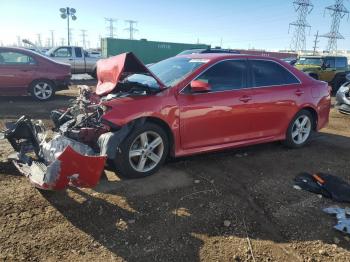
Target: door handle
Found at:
70, 59
299, 92
245, 99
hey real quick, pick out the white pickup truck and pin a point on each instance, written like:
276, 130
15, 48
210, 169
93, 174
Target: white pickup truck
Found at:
79, 59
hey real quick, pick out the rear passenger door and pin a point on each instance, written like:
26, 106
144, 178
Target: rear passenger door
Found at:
276, 95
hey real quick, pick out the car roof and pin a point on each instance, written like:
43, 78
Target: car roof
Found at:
222, 56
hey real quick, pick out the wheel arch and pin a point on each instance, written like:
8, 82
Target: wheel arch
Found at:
313, 113
167, 129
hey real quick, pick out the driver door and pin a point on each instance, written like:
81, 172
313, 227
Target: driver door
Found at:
220, 115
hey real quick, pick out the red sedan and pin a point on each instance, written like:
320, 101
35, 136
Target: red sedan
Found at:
180, 106
209, 102
25, 72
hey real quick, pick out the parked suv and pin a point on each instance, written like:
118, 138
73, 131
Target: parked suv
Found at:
331, 69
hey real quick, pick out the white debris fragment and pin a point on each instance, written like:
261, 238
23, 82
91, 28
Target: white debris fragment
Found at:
227, 223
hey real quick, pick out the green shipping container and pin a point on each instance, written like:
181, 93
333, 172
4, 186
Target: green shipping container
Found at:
147, 51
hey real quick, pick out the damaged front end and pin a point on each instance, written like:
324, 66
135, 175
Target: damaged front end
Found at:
343, 99
82, 140
55, 164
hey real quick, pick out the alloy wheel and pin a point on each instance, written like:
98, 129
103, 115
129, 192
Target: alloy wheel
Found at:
146, 151
42, 90
301, 129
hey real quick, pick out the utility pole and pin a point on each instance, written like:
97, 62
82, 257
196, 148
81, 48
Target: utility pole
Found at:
62, 41
302, 8
111, 28
39, 40
337, 11
48, 42
52, 38
19, 41
132, 30
83, 35
70, 39
316, 41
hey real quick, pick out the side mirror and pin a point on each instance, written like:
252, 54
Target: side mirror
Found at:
52, 54
200, 86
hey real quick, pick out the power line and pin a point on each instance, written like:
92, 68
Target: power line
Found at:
337, 11
83, 35
132, 30
302, 8
111, 28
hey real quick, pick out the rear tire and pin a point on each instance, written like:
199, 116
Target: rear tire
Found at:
300, 129
42, 90
143, 152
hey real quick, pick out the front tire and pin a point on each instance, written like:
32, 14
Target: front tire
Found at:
300, 129
42, 90
143, 152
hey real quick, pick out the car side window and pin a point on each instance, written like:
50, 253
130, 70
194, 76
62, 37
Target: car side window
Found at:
226, 75
63, 52
15, 58
329, 62
341, 62
268, 73
78, 52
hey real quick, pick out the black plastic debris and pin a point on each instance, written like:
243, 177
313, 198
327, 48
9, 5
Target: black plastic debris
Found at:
327, 185
343, 217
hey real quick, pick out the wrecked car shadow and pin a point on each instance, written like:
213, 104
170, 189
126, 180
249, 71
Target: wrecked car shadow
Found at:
181, 211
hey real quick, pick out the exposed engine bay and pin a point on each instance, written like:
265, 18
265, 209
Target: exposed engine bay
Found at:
81, 142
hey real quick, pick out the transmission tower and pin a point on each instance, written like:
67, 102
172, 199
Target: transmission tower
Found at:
111, 28
83, 36
302, 8
337, 11
132, 30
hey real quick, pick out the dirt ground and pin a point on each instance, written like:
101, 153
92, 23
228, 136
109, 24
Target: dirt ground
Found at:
237, 205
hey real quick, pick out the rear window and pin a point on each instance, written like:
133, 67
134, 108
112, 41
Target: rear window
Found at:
341, 62
268, 73
78, 52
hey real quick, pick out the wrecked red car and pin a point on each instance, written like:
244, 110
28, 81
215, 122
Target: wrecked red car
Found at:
180, 106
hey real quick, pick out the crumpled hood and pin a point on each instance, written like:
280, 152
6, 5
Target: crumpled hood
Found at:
110, 71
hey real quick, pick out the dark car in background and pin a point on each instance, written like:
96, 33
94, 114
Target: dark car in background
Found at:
25, 72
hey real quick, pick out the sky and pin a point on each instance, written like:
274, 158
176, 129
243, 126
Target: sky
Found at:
261, 24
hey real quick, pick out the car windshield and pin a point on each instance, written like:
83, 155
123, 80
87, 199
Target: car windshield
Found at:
191, 51
173, 70
309, 61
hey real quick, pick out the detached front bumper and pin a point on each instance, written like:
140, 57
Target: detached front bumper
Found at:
56, 164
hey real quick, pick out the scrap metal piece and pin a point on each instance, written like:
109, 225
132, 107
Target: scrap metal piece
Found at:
343, 217
70, 168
